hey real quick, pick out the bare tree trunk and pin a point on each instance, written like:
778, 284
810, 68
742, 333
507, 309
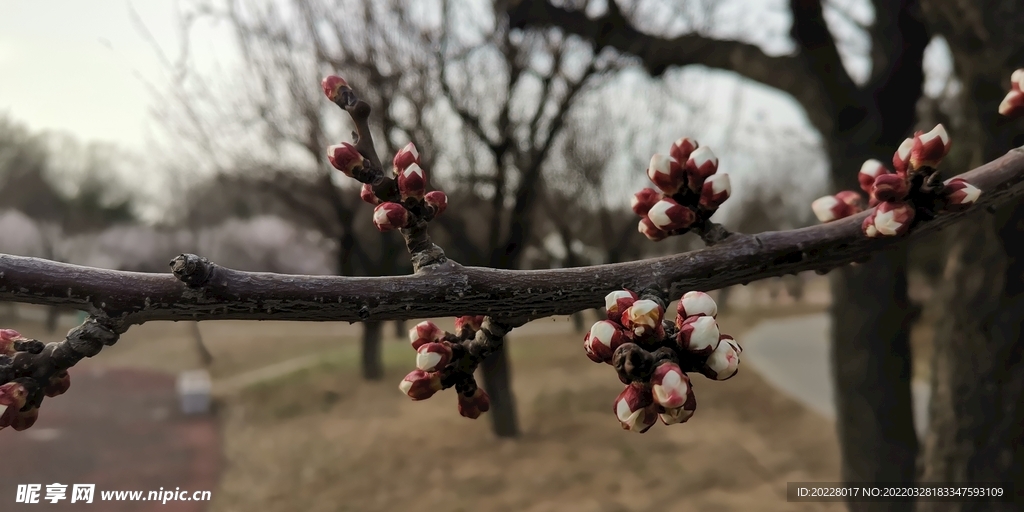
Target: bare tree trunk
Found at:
578, 322
373, 366
52, 319
204, 354
497, 377
401, 329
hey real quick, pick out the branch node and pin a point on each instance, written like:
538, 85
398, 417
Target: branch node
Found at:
192, 270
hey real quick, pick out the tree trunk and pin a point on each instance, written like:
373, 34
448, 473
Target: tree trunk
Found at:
373, 367
497, 377
578, 322
401, 329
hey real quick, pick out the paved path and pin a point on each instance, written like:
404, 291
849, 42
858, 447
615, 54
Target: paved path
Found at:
793, 355
120, 430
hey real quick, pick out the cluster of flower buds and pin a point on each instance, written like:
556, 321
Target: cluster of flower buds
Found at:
17, 409
1013, 104
436, 351
896, 195
689, 191
394, 209
653, 356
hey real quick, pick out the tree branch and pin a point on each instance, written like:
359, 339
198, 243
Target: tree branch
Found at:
122, 299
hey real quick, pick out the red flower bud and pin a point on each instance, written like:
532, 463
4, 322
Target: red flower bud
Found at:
723, 363
901, 158
852, 199
437, 199
7, 339
602, 340
1017, 80
668, 215
670, 385
58, 385
643, 318
472, 406
425, 332
699, 167
615, 303
666, 173
633, 408
868, 226
12, 399
412, 182
390, 216
680, 414
891, 218
929, 148
420, 385
650, 230
406, 157
830, 208
345, 158
870, 171
433, 357
1012, 105
367, 195
890, 187
682, 148
698, 334
332, 86
715, 191
470, 323
960, 195
695, 304
643, 201
23, 420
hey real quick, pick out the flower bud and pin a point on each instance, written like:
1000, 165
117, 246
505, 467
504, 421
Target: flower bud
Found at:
59, 384
467, 325
425, 332
730, 339
699, 167
666, 173
632, 408
23, 420
7, 339
893, 218
669, 385
698, 334
390, 216
960, 195
420, 385
870, 171
437, 199
680, 414
668, 215
929, 148
406, 157
433, 357
643, 318
345, 158
695, 304
723, 363
616, 303
650, 230
1012, 105
602, 340
332, 86
12, 398
851, 199
868, 226
830, 208
901, 158
715, 191
412, 182
890, 187
643, 201
1017, 80
367, 195
682, 148
472, 406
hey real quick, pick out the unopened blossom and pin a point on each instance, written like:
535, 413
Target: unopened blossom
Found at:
669, 385
406, 157
701, 165
1017, 80
472, 406
695, 303
643, 200
332, 86
616, 303
648, 229
666, 173
830, 208
698, 334
390, 216
466, 325
682, 148
367, 195
602, 340
412, 182
420, 385
432, 357
889, 219
668, 215
12, 398
869, 171
679, 414
643, 318
425, 332
345, 158
1012, 105
929, 148
22, 420
901, 158
715, 191
7, 339
633, 408
960, 194
852, 199
59, 384
437, 199
723, 363
890, 187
